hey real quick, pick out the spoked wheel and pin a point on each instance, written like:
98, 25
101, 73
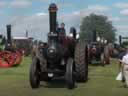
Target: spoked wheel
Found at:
7, 59
70, 79
18, 57
34, 73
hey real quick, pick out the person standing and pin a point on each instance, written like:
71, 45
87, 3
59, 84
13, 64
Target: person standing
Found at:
120, 57
124, 63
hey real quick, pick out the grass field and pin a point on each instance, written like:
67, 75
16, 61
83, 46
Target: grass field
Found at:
15, 82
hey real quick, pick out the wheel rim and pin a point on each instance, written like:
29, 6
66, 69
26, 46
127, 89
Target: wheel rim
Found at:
6, 59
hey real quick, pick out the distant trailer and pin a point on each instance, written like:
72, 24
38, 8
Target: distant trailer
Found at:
24, 44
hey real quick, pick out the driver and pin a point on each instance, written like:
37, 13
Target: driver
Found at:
62, 30
62, 33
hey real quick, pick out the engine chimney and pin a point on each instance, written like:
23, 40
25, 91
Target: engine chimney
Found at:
52, 17
94, 36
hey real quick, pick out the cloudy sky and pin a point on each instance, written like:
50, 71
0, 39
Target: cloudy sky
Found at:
32, 15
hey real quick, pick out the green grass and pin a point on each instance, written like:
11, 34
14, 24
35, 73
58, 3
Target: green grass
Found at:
15, 82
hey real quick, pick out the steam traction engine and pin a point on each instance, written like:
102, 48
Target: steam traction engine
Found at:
61, 56
10, 56
98, 50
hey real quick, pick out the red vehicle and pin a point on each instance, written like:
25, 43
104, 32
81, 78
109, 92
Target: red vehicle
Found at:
98, 51
10, 56
23, 44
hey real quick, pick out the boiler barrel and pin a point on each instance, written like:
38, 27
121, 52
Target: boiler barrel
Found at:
94, 36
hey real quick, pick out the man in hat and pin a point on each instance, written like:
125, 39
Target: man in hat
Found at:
61, 32
62, 29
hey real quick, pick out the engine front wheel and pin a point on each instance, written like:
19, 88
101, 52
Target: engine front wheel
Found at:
70, 80
34, 74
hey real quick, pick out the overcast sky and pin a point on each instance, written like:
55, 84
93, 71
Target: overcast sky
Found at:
32, 15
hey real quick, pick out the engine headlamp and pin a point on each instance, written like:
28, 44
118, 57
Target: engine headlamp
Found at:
70, 35
77, 36
51, 50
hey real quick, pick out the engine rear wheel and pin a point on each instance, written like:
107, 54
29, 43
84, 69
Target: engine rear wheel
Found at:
81, 62
34, 73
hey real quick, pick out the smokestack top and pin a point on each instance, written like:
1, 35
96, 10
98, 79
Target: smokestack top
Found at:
8, 26
53, 7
